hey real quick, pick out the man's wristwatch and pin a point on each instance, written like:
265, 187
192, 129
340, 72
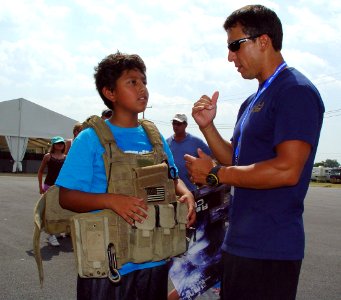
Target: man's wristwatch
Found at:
212, 177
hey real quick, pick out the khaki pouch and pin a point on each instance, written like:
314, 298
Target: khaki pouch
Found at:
57, 219
90, 239
153, 185
164, 231
179, 239
50, 217
142, 238
160, 236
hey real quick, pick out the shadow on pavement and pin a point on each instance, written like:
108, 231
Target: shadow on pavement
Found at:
48, 251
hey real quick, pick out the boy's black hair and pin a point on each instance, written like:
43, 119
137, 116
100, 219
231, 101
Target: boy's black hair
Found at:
256, 20
111, 68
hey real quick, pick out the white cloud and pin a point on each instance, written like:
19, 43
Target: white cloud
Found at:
48, 52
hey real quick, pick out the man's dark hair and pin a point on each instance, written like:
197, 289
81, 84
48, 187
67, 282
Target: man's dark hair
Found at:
111, 68
256, 20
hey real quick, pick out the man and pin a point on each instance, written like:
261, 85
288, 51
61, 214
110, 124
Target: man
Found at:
181, 143
106, 114
268, 162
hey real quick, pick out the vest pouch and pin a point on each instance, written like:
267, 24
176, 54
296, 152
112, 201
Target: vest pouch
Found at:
119, 231
50, 217
142, 238
153, 185
56, 218
164, 231
90, 239
179, 240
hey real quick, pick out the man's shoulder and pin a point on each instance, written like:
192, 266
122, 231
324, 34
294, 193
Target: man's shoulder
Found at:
170, 139
194, 138
293, 84
294, 78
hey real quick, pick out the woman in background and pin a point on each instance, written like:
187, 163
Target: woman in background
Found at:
54, 160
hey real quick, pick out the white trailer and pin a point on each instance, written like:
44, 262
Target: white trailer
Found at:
321, 174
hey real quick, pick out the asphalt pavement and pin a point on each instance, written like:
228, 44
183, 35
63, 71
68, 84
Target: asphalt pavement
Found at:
320, 276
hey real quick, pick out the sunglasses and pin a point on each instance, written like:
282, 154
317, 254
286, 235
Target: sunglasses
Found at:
176, 123
235, 45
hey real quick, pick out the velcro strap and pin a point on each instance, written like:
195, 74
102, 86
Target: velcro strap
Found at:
166, 212
149, 222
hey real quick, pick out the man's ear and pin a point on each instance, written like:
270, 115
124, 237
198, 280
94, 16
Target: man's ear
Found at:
265, 41
109, 94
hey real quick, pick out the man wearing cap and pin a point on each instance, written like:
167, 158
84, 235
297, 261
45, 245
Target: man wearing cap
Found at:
182, 143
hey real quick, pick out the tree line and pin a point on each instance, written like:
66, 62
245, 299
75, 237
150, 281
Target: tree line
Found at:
328, 163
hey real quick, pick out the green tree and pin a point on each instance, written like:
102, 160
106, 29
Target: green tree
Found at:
329, 163
332, 163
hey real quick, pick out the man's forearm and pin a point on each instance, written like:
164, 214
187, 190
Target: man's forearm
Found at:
222, 149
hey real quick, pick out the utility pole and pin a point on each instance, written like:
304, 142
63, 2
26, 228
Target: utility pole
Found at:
145, 110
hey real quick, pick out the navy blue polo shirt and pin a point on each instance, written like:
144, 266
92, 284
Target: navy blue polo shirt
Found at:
268, 223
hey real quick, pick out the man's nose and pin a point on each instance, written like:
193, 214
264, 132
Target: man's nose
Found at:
231, 56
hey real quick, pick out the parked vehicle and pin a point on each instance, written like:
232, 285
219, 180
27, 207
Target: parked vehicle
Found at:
321, 174
335, 175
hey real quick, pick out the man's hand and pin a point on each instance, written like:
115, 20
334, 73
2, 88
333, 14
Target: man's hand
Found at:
198, 168
205, 109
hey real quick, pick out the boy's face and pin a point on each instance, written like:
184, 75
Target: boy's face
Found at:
131, 93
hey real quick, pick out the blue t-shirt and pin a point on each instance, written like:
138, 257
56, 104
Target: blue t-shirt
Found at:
84, 168
268, 223
189, 145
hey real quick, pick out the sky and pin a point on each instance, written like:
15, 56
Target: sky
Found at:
49, 48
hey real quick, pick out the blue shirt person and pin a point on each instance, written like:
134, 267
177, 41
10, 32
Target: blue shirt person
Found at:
182, 143
122, 84
268, 161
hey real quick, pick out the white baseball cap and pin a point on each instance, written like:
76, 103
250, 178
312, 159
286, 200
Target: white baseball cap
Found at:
180, 118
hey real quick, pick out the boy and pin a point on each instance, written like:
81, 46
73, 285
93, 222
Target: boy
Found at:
121, 83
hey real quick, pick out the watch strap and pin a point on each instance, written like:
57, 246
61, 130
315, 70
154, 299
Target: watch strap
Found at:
214, 172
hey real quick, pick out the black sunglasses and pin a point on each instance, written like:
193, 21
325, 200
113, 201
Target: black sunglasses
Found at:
176, 123
235, 45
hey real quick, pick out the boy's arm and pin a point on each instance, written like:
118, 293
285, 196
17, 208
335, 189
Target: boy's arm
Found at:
186, 196
130, 208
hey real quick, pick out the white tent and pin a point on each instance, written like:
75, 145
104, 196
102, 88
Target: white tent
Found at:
21, 119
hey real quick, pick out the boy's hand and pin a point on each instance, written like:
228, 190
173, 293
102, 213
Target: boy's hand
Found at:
191, 216
130, 208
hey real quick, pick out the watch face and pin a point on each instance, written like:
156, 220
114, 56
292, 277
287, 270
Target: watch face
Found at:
211, 180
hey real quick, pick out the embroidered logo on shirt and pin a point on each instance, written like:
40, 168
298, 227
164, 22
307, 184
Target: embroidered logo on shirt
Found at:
258, 107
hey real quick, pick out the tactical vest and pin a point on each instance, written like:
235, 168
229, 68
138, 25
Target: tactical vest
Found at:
103, 241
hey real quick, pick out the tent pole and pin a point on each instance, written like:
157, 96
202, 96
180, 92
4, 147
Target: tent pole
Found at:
19, 135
